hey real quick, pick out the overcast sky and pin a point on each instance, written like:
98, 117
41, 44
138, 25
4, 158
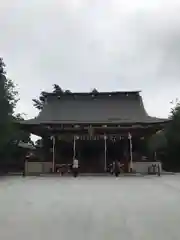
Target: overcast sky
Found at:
103, 44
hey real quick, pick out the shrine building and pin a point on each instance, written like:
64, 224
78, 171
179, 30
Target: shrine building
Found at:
97, 128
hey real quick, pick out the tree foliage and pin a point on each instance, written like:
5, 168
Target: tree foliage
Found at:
7, 104
8, 94
57, 89
172, 158
173, 129
39, 103
10, 132
157, 142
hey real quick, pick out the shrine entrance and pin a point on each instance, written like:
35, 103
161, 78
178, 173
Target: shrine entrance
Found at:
91, 155
95, 154
118, 150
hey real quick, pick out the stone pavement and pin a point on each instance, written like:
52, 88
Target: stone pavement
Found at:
90, 208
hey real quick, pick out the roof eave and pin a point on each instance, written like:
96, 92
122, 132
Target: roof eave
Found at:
39, 122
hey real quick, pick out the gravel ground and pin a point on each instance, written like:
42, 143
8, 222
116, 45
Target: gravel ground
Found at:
90, 208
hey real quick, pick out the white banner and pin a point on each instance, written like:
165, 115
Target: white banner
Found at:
85, 137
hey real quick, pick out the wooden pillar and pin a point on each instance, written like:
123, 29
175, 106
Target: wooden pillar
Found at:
105, 153
74, 147
53, 153
131, 156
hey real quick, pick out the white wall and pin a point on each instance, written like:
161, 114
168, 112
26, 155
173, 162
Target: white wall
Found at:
45, 167
38, 167
142, 167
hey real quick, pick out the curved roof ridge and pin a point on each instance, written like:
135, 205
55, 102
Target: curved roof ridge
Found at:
113, 110
91, 93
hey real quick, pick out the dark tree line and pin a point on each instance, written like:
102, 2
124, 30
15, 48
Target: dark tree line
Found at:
10, 132
167, 142
172, 134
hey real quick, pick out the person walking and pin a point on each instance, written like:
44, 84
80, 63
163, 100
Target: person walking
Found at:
75, 167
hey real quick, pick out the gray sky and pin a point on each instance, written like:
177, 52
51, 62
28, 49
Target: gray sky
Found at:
81, 44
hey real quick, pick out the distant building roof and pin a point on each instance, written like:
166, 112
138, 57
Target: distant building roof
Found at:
94, 107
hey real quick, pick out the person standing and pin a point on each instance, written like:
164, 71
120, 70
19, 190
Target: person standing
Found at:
75, 167
117, 168
113, 168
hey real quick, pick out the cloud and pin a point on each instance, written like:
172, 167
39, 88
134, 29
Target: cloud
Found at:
110, 45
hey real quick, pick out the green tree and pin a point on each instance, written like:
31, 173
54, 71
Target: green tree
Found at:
172, 160
8, 100
39, 103
157, 142
57, 89
10, 132
17, 134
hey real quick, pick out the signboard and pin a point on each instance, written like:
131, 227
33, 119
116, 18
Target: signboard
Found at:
85, 137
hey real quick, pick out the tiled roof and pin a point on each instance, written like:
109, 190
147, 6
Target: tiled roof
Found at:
118, 107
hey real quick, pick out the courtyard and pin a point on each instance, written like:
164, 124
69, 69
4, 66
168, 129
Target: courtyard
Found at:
91, 208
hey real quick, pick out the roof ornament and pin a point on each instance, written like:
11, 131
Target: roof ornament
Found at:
94, 91
67, 91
